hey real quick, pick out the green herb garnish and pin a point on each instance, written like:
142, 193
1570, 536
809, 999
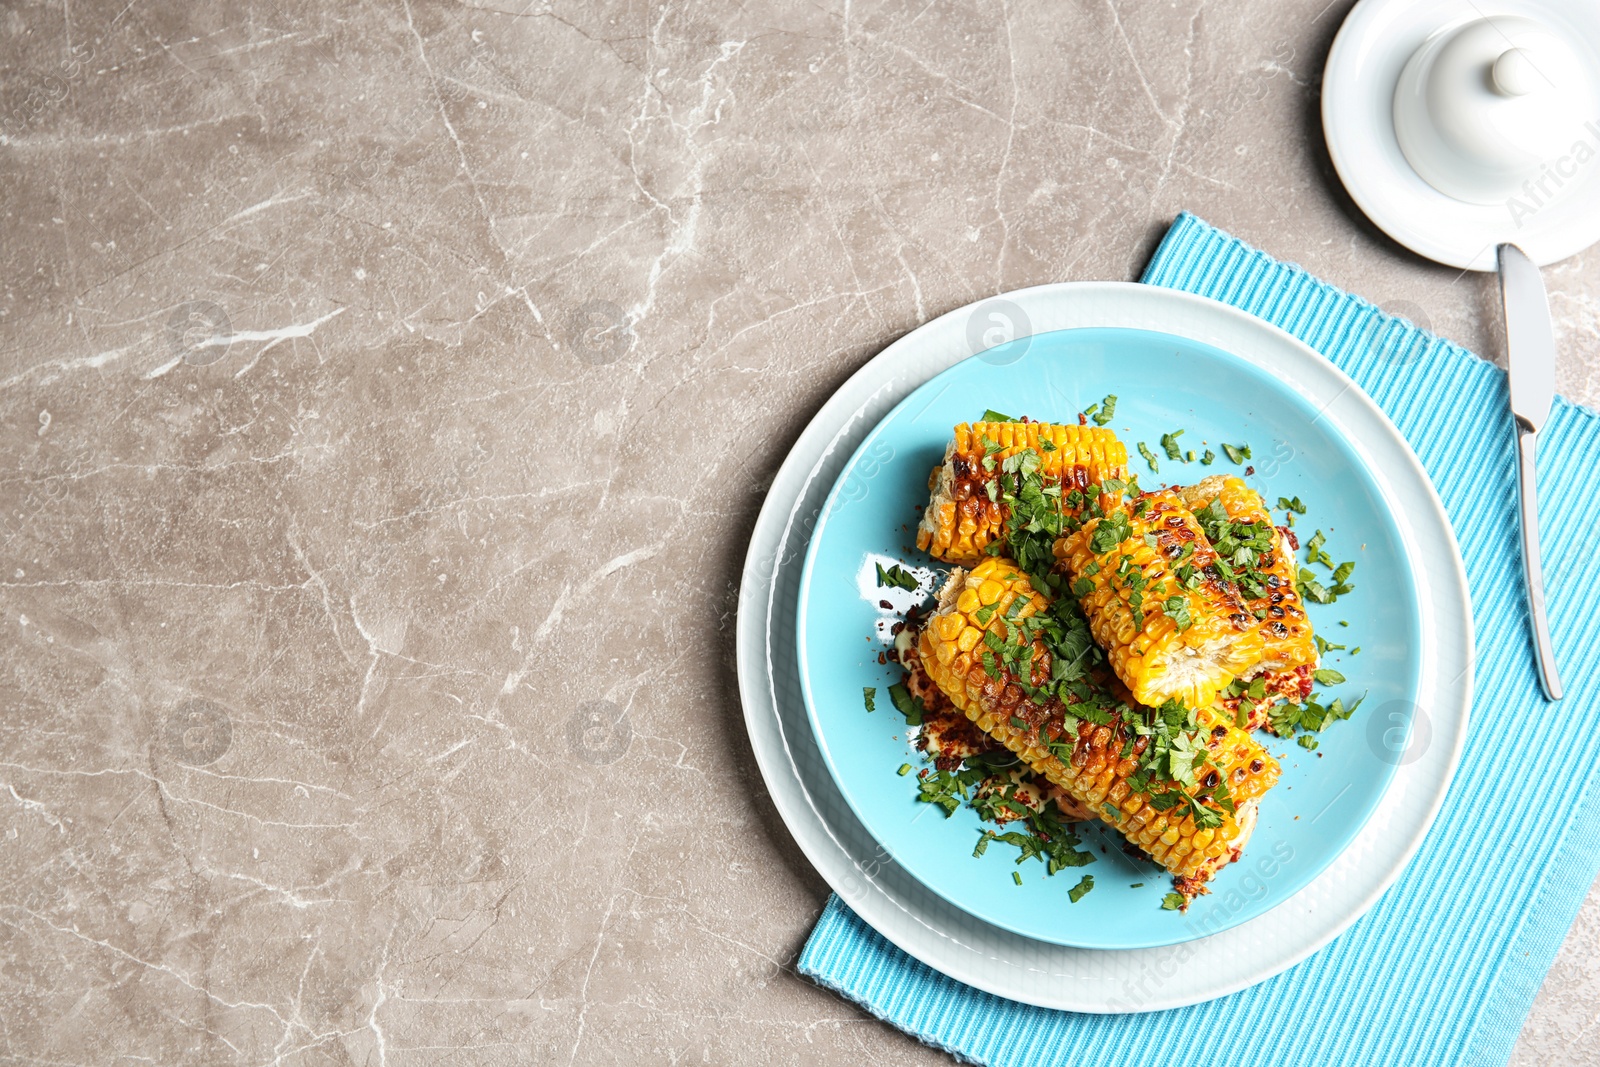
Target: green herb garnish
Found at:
907, 704
1169, 442
896, 577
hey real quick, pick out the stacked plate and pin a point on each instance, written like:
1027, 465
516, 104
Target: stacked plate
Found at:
1338, 828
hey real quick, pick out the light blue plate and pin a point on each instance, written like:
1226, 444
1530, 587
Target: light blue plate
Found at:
1163, 383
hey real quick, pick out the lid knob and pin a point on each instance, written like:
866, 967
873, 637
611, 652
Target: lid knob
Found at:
1516, 74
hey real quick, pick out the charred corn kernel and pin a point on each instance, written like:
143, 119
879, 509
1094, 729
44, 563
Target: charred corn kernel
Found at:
1170, 629
1287, 641
1095, 774
961, 519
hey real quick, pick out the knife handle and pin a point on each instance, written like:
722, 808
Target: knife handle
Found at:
1532, 572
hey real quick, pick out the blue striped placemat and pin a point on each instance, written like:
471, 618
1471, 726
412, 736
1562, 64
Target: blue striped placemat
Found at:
1443, 969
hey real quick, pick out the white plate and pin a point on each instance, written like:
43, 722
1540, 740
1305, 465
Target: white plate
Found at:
948, 939
1358, 83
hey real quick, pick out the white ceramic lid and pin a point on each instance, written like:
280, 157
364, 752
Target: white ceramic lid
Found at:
1458, 125
1482, 108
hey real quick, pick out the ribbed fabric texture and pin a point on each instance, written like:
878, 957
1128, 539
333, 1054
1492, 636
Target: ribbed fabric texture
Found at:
1443, 970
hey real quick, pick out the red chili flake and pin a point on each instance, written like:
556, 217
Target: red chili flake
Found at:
1249, 470
885, 605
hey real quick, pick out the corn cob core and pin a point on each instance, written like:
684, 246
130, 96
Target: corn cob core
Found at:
1129, 585
961, 520
1096, 775
1286, 633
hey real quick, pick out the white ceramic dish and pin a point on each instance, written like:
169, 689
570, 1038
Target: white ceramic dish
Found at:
1358, 85
948, 939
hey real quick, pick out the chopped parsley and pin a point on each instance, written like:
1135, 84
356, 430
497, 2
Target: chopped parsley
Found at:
991, 415
1243, 549
1307, 582
1172, 902
1149, 457
896, 577
943, 790
869, 695
992, 792
1208, 459
1328, 677
907, 704
1314, 552
1110, 532
1311, 589
1169, 443
1237, 453
1107, 412
1295, 505
1081, 890
1312, 716
1324, 646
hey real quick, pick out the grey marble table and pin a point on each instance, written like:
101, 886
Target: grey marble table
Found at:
387, 391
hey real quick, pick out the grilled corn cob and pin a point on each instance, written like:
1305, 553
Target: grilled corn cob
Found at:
1270, 593
1171, 629
962, 517
1092, 761
948, 738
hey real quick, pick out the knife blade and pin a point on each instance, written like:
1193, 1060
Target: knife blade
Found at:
1531, 363
1530, 342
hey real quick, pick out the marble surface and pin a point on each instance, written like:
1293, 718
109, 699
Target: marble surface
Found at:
387, 391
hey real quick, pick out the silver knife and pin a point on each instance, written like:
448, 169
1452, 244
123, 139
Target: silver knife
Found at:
1531, 359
